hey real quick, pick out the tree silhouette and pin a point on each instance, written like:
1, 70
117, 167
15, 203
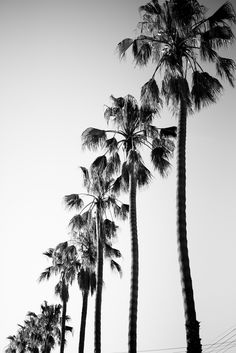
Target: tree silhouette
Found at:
98, 187
132, 130
178, 36
61, 265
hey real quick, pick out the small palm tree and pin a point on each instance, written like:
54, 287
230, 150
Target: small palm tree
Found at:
18, 342
84, 242
49, 326
34, 337
61, 264
178, 36
132, 129
40, 333
98, 186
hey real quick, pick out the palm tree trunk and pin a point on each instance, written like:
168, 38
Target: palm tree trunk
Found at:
133, 309
83, 320
63, 324
191, 323
98, 300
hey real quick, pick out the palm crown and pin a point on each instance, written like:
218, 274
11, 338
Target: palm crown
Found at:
132, 129
177, 36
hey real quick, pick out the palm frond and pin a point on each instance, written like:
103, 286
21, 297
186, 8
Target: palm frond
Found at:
143, 175
46, 274
32, 314
123, 46
116, 111
118, 102
224, 13
111, 252
58, 288
113, 164
111, 144
147, 114
115, 266
152, 131
11, 338
61, 289
73, 201
135, 164
121, 211
185, 13
175, 88
226, 68
61, 247
49, 252
109, 229
142, 51
150, 95
79, 221
119, 185
93, 138
134, 160
218, 36
205, 89
86, 177
124, 210
169, 132
99, 165
69, 328
125, 177
152, 8
108, 113
206, 50
160, 161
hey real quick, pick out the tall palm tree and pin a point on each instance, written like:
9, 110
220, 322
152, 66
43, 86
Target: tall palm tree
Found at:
97, 185
179, 37
61, 264
132, 129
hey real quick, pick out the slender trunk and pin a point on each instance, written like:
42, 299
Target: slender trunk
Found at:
85, 294
63, 325
191, 323
133, 309
98, 300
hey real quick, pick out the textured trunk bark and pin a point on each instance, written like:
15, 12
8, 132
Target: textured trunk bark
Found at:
98, 300
63, 324
191, 323
133, 309
83, 321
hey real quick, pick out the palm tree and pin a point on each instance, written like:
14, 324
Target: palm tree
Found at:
28, 337
133, 125
32, 330
18, 342
49, 326
84, 248
98, 187
61, 264
39, 332
177, 35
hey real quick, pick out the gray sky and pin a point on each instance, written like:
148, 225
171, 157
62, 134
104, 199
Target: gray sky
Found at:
58, 67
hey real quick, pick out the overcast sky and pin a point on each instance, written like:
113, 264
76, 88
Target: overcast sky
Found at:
58, 67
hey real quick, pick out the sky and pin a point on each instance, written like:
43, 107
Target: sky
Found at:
58, 67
